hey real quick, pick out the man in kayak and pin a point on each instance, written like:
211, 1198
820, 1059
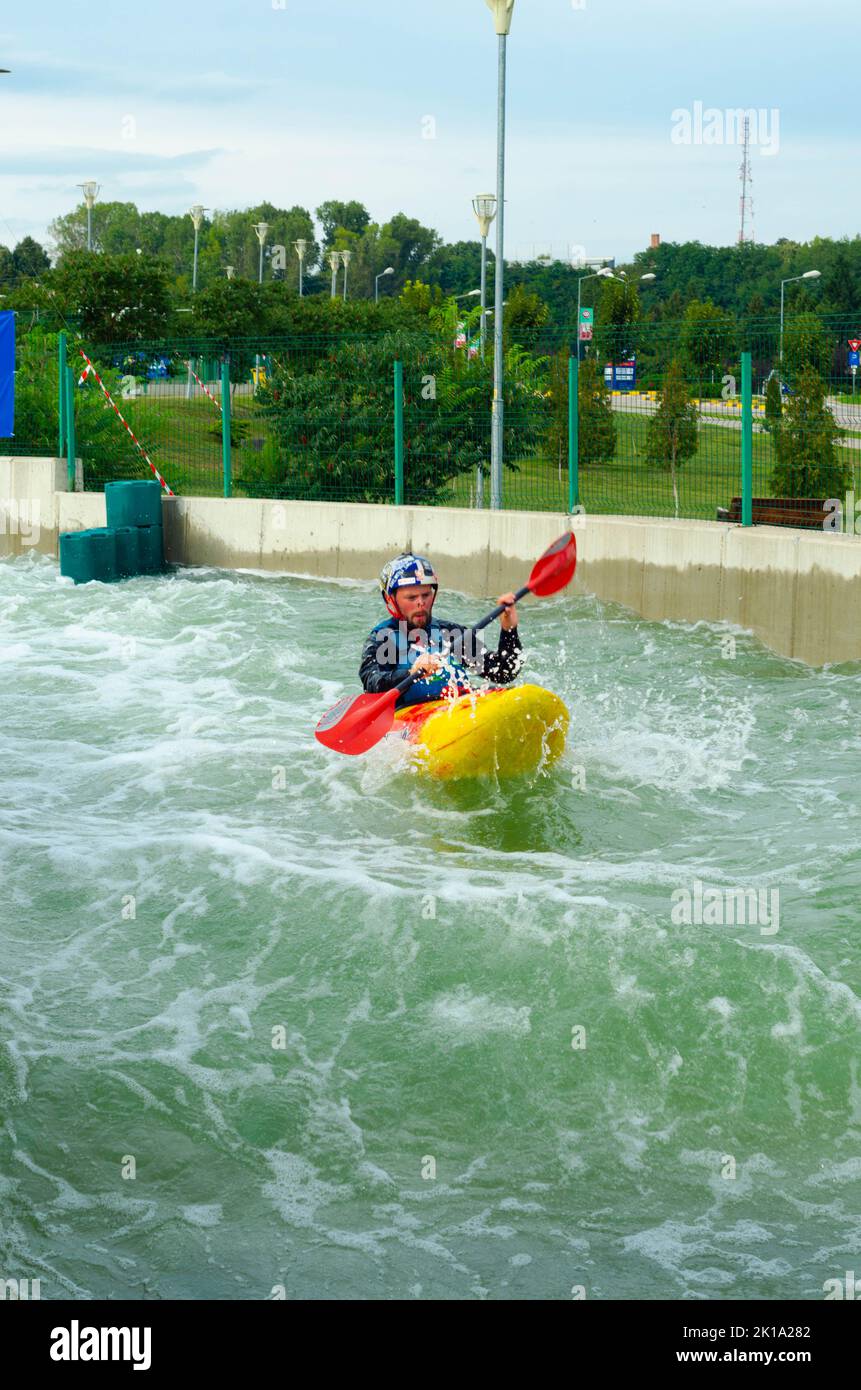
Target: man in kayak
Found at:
439, 652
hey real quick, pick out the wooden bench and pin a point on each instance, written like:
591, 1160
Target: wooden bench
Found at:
806, 512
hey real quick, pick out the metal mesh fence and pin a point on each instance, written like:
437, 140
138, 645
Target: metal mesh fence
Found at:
659, 423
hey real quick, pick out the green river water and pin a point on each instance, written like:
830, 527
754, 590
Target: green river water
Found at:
188, 878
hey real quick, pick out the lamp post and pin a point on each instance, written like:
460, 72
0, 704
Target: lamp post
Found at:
91, 192
262, 230
334, 262
484, 207
196, 215
808, 275
605, 273
346, 257
301, 246
390, 270
502, 12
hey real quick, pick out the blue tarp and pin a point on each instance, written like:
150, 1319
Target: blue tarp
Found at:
7, 375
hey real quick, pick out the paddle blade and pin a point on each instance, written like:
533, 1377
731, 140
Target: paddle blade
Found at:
556, 566
357, 722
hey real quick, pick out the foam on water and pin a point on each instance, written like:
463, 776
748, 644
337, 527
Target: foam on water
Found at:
290, 984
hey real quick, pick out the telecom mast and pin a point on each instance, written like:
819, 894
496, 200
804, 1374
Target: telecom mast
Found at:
746, 200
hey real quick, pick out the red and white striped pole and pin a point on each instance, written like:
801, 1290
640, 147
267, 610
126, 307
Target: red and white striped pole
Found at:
90, 368
205, 389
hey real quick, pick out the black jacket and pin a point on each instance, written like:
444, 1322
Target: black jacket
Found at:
501, 666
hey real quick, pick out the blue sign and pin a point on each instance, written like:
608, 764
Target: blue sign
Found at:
854, 358
7, 375
621, 376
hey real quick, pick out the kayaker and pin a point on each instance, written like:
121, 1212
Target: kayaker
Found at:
441, 653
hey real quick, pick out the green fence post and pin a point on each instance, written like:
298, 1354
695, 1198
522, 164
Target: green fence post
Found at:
573, 433
61, 394
71, 442
399, 434
225, 423
746, 441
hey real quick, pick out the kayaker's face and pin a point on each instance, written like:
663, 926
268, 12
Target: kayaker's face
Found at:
415, 602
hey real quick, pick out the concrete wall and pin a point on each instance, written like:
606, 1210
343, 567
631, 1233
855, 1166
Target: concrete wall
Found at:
799, 591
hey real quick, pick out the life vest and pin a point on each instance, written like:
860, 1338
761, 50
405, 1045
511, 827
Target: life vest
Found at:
454, 680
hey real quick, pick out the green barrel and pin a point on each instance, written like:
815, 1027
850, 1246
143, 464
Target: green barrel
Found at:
151, 549
135, 503
87, 555
129, 550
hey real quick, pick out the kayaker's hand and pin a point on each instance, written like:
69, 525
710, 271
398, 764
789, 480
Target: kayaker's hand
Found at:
508, 619
426, 665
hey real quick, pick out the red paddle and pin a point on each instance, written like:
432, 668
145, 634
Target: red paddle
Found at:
357, 722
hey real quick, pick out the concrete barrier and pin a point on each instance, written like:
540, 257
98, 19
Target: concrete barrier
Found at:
798, 591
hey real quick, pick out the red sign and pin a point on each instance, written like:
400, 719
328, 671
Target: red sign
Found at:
855, 344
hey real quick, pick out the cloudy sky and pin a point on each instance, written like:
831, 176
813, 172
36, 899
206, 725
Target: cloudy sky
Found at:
393, 102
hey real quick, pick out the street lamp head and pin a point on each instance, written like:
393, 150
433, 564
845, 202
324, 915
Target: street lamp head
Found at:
196, 214
502, 10
91, 191
484, 207
390, 270
811, 274
301, 247
650, 276
231, 271
262, 230
605, 272
346, 257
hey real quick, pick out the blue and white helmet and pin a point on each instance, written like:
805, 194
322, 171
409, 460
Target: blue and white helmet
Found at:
404, 570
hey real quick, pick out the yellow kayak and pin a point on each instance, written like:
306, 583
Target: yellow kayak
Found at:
500, 732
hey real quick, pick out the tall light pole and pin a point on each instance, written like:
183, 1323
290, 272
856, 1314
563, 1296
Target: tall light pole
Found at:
808, 275
502, 12
484, 207
390, 270
334, 262
346, 257
262, 230
605, 273
196, 215
301, 246
91, 192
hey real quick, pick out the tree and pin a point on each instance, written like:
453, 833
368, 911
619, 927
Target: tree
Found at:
420, 297
842, 285
115, 298
456, 268
8, 274
805, 344
351, 217
30, 259
671, 438
596, 428
525, 315
333, 428
707, 339
808, 462
101, 440
773, 403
